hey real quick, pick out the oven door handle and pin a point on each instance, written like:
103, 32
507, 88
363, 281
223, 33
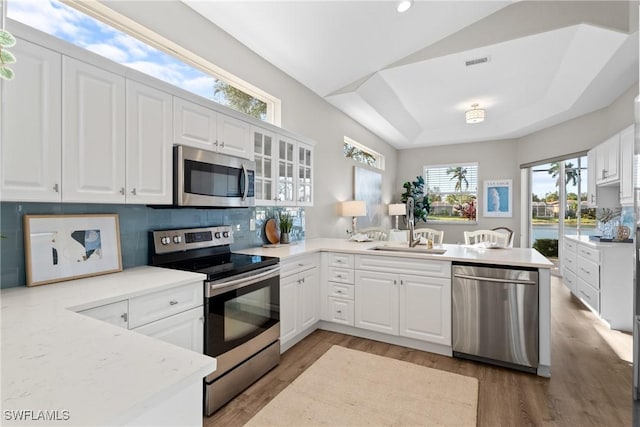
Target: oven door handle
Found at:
218, 288
246, 182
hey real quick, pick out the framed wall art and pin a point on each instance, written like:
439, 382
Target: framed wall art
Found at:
63, 247
498, 198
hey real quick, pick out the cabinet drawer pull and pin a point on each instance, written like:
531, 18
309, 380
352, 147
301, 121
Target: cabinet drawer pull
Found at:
585, 295
585, 271
125, 316
339, 276
173, 302
122, 191
300, 264
133, 191
339, 291
56, 188
222, 144
339, 311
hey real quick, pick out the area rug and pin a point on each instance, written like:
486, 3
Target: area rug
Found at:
346, 387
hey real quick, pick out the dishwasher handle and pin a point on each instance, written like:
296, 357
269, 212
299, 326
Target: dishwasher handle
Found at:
495, 279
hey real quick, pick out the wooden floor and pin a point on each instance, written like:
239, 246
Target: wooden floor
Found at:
590, 384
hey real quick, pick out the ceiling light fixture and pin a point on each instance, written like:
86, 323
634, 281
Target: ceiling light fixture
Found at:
476, 115
404, 5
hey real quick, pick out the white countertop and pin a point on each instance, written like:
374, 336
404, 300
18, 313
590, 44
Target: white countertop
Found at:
523, 257
596, 243
56, 359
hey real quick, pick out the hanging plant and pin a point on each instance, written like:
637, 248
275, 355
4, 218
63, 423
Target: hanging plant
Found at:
415, 189
6, 57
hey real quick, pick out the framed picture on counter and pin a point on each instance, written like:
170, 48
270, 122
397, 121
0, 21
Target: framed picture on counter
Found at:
498, 197
64, 247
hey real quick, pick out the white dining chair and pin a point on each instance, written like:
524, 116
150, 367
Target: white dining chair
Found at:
508, 232
486, 236
429, 233
375, 233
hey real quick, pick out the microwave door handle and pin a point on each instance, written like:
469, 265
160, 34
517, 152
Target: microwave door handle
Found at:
246, 182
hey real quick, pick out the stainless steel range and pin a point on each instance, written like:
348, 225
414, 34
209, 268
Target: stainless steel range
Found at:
242, 305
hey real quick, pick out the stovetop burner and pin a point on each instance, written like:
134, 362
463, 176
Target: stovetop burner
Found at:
203, 250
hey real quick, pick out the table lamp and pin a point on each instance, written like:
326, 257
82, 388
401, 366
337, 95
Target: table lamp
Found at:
353, 208
396, 209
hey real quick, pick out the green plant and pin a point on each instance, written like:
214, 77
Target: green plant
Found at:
286, 222
422, 205
547, 247
6, 57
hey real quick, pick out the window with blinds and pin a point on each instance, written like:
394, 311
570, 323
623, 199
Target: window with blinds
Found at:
453, 191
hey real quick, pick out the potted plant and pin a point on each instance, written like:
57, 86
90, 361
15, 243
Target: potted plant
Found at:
422, 204
286, 224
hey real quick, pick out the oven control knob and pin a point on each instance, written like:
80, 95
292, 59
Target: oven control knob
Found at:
225, 234
165, 240
177, 239
217, 235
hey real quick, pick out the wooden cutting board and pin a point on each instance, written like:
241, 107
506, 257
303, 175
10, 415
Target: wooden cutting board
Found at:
271, 231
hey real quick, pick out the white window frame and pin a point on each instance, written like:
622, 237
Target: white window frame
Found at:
477, 191
380, 159
108, 16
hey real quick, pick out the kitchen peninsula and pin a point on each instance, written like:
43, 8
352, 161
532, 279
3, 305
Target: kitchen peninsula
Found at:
338, 273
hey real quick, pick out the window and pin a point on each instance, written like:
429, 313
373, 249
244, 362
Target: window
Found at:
123, 41
360, 153
453, 191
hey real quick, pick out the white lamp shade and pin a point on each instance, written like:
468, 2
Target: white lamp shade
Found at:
397, 209
354, 208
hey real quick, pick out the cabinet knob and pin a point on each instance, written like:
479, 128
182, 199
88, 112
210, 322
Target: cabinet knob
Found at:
133, 191
56, 188
173, 302
125, 317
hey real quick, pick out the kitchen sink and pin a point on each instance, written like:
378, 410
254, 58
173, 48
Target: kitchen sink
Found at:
415, 249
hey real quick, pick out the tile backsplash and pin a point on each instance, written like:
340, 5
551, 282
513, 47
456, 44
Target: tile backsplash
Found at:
135, 223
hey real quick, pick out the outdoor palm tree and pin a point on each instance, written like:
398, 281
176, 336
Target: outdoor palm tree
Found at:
459, 173
571, 174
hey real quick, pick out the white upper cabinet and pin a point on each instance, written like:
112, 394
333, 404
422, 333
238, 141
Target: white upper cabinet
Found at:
149, 145
607, 161
194, 125
31, 126
200, 127
263, 151
234, 137
93, 114
626, 166
294, 172
592, 192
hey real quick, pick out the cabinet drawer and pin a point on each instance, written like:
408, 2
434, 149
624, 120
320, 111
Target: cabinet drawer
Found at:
589, 253
147, 308
341, 291
570, 260
340, 275
298, 264
341, 311
588, 295
420, 267
115, 313
340, 260
570, 245
589, 272
185, 329
569, 278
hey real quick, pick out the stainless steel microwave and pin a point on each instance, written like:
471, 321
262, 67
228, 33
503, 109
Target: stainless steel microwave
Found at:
207, 179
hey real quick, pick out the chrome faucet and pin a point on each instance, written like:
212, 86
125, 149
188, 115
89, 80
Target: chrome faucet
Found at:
410, 220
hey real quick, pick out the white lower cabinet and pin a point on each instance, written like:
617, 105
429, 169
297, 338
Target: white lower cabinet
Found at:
174, 315
299, 299
416, 306
184, 329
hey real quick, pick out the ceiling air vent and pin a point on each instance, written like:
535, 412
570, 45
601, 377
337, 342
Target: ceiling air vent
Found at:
477, 61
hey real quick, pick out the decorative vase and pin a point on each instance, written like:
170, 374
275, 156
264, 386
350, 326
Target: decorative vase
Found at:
607, 230
284, 238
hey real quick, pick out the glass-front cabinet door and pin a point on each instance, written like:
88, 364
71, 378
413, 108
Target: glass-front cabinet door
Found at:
305, 177
286, 166
263, 148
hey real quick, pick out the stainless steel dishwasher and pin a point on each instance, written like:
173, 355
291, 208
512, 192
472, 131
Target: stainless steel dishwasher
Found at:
495, 315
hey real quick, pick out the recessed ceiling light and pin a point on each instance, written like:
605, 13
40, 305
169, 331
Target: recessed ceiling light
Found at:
475, 115
404, 5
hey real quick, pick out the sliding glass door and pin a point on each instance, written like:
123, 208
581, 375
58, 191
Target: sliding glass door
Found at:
559, 204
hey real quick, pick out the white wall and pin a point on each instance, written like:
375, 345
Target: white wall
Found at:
303, 112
